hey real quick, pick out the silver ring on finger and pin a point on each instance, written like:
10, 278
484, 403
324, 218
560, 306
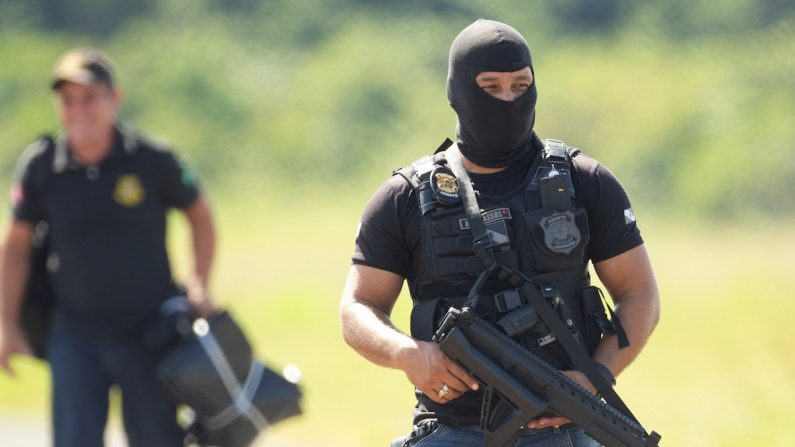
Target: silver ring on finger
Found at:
443, 391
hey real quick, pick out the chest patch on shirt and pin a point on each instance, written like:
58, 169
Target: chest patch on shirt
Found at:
129, 191
495, 225
629, 216
560, 232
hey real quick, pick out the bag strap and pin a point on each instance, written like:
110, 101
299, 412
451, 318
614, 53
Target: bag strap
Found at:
241, 395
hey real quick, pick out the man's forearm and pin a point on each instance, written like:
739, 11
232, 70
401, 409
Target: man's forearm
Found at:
202, 245
371, 333
14, 271
630, 281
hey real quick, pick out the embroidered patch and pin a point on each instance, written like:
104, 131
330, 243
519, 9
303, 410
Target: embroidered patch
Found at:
129, 191
496, 215
629, 216
498, 233
495, 225
490, 216
561, 234
188, 177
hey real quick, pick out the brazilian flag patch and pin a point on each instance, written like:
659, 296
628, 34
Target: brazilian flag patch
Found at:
188, 177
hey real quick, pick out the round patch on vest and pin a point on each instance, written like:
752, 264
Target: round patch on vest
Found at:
561, 234
129, 191
445, 186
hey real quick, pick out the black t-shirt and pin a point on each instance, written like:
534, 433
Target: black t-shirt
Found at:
389, 230
107, 226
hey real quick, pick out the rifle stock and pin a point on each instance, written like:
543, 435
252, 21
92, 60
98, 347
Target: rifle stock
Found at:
519, 386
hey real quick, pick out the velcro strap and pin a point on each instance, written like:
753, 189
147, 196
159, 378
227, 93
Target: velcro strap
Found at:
425, 313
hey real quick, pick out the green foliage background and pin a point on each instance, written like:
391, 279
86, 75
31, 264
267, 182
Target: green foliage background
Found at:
293, 112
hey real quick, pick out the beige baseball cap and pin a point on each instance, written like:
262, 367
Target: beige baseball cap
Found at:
82, 66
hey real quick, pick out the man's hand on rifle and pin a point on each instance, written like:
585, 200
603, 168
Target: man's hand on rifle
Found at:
433, 373
556, 421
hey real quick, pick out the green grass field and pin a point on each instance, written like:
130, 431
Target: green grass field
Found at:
719, 370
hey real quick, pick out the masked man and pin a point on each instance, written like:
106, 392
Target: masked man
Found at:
415, 228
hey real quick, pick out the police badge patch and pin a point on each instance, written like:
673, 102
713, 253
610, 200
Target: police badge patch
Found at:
129, 191
561, 234
445, 186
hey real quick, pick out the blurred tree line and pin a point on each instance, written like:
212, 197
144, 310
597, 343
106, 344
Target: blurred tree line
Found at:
691, 103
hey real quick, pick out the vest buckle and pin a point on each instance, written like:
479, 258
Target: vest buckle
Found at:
507, 300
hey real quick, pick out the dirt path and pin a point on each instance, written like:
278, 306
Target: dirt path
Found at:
31, 430
34, 431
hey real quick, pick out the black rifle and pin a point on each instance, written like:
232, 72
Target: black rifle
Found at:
519, 386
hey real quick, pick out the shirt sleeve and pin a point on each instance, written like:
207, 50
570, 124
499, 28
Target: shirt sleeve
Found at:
179, 186
381, 236
613, 226
27, 189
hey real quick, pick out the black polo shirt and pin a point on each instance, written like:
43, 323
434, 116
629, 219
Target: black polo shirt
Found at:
107, 226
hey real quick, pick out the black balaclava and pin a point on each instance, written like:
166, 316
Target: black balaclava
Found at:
490, 132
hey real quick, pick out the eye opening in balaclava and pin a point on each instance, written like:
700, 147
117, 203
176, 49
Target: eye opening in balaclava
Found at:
490, 132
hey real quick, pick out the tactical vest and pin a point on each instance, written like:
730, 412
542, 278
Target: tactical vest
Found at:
537, 229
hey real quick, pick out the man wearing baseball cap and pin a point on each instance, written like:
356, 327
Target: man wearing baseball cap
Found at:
83, 66
103, 191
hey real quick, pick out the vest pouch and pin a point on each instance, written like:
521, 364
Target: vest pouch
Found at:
540, 339
558, 237
448, 246
595, 323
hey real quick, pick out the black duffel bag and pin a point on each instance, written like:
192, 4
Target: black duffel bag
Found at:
39, 298
233, 395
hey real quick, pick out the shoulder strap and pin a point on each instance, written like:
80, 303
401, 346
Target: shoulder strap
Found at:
44, 149
481, 241
38, 297
414, 172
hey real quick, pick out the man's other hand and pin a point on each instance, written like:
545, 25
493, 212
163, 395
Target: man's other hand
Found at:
12, 341
429, 369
